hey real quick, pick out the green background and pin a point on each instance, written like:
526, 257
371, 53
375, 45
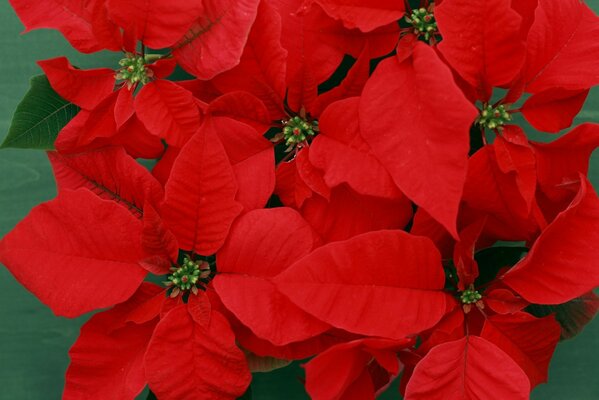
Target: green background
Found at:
34, 343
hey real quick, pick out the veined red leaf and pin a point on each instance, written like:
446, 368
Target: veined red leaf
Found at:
111, 174
481, 41
386, 284
247, 262
85, 88
168, 111
562, 46
467, 369
427, 157
365, 15
186, 360
103, 354
561, 265
200, 195
554, 109
527, 340
76, 253
156, 23
216, 39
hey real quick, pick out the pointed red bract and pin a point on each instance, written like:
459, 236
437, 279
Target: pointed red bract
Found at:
168, 111
467, 369
481, 41
216, 39
186, 360
562, 46
111, 174
527, 340
200, 195
76, 253
566, 251
155, 23
554, 109
85, 88
365, 15
417, 122
386, 284
106, 351
247, 262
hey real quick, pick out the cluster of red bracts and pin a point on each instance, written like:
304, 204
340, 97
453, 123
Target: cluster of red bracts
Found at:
369, 232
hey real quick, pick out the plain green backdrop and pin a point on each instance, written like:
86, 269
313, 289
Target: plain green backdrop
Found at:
34, 343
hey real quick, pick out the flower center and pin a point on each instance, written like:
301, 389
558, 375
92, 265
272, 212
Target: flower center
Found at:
189, 276
134, 70
423, 22
494, 117
470, 296
297, 130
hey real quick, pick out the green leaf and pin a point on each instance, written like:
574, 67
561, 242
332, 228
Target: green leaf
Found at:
151, 396
39, 117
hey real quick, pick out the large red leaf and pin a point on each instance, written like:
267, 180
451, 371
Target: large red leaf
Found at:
107, 351
341, 152
217, 37
467, 369
247, 262
365, 15
200, 195
262, 68
85, 88
156, 23
168, 111
562, 263
385, 283
562, 47
252, 158
481, 41
70, 17
111, 174
427, 152
554, 109
76, 253
333, 373
527, 340
186, 360
329, 217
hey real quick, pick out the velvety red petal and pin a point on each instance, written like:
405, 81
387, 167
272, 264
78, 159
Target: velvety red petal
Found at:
554, 109
561, 265
385, 283
216, 39
188, 361
467, 369
200, 195
345, 157
85, 88
329, 218
71, 17
76, 253
562, 47
365, 15
168, 111
105, 362
155, 23
503, 301
111, 174
426, 156
481, 41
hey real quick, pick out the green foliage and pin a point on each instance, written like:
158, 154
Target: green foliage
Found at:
39, 117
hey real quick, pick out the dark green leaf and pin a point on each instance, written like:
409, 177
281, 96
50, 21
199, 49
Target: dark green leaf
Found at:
491, 260
151, 396
572, 316
39, 117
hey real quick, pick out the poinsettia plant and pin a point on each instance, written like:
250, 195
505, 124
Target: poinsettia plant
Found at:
345, 182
